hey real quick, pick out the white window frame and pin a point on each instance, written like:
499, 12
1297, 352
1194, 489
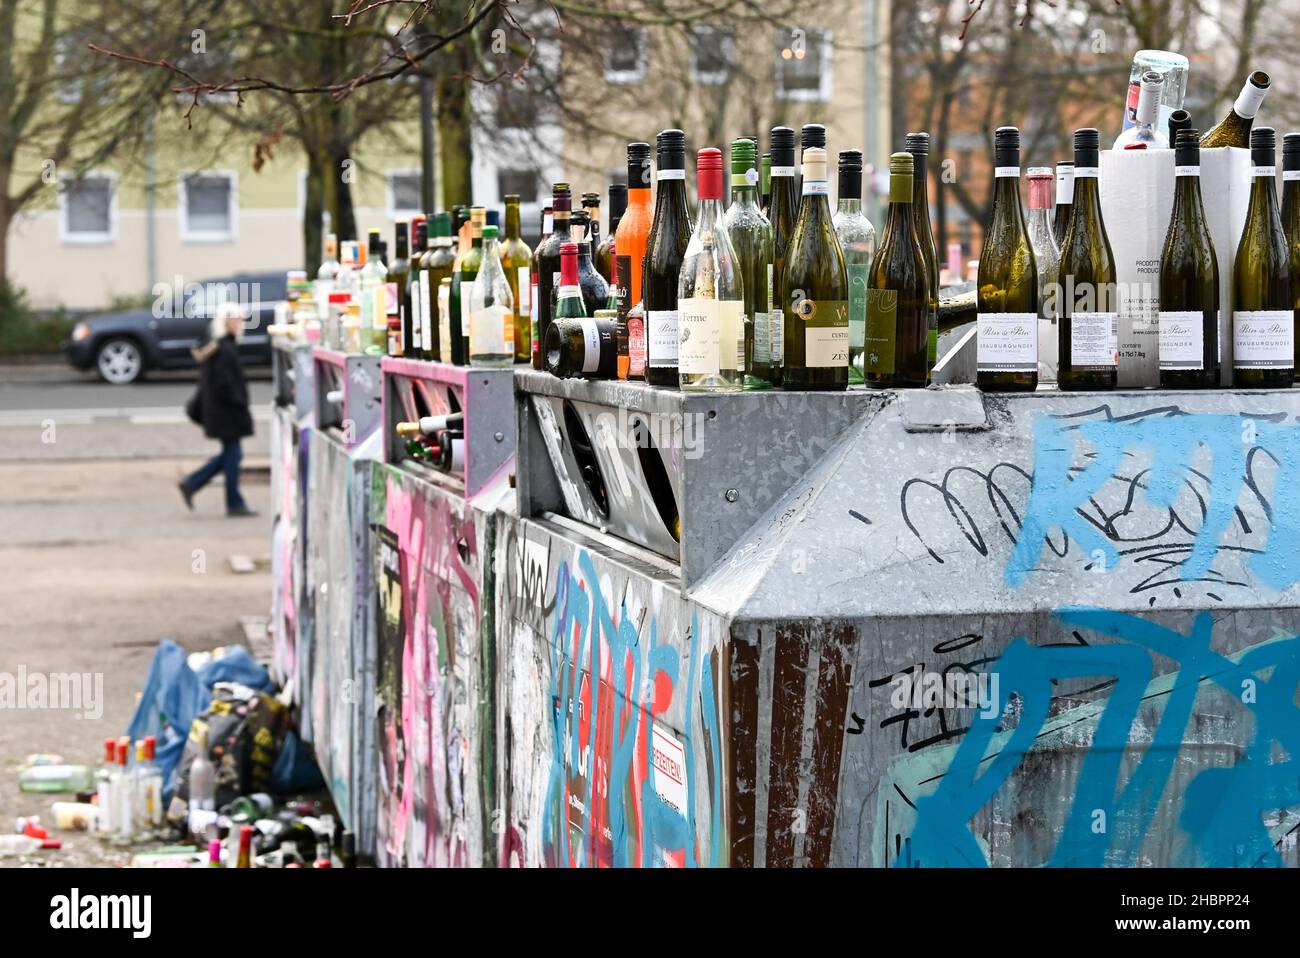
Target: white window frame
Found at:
182, 218
826, 85
631, 76
70, 238
713, 78
391, 202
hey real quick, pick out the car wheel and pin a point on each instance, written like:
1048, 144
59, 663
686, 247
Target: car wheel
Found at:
120, 361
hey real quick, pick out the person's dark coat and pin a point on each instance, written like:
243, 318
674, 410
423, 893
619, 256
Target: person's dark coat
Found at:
223, 393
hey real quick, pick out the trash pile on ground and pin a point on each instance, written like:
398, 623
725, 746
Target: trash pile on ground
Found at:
212, 769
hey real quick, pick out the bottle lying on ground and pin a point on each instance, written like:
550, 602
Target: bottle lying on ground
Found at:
428, 425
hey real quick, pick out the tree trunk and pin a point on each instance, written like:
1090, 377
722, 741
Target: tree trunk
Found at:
455, 151
313, 207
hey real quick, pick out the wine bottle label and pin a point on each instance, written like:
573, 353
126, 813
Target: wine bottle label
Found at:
816, 187
1263, 339
1182, 340
1006, 171
491, 331
731, 332
1094, 338
457, 461
826, 333
1289, 175
776, 329
525, 290
426, 311
742, 180
379, 306
672, 175
1269, 171
635, 346
782, 171
1187, 171
762, 338
661, 337
590, 344
881, 333
444, 322
859, 281
1085, 172
699, 334
1064, 187
1006, 342
393, 300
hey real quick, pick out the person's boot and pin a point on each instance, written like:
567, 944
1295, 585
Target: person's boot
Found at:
241, 511
186, 495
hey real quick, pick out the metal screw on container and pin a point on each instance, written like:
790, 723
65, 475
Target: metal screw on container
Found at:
500, 437
733, 495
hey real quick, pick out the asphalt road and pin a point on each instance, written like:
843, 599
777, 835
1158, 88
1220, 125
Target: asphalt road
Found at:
50, 411
100, 559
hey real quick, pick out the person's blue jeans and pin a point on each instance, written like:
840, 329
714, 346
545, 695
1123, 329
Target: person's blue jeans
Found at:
227, 462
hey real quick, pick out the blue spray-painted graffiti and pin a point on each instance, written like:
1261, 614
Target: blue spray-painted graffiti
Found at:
1058, 495
604, 715
1232, 815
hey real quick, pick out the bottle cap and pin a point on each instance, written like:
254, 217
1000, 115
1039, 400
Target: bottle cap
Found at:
511, 198
1006, 146
812, 134
743, 155
850, 175
917, 143
900, 164
708, 167
1187, 147
490, 232
1178, 120
672, 150
782, 140
568, 249
110, 750
1291, 151
561, 197
1263, 146
1087, 146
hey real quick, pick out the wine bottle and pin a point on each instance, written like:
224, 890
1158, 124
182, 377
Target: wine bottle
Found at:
918, 144
599, 249
634, 227
1007, 323
1064, 200
451, 450
1234, 129
665, 248
419, 243
399, 293
617, 207
462, 282
750, 234
1263, 320
816, 285
710, 293
462, 241
569, 301
374, 298
1047, 261
595, 291
535, 349
898, 295
582, 348
1088, 333
765, 178
437, 267
1291, 209
1143, 134
548, 261
858, 242
516, 259
1189, 281
782, 210
491, 309
428, 425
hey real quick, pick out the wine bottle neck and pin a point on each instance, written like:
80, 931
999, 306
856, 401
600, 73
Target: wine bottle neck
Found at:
512, 221
1006, 202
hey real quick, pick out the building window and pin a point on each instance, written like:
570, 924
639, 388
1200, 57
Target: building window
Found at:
209, 206
523, 182
803, 64
88, 208
405, 194
515, 108
713, 52
625, 57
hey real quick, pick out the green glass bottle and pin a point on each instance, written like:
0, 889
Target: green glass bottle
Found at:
918, 144
1263, 320
1189, 281
783, 207
516, 259
897, 342
461, 283
1007, 322
751, 238
858, 241
1088, 332
816, 304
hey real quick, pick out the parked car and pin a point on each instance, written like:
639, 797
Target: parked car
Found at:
122, 347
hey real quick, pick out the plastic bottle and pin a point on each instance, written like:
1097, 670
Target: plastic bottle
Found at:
56, 778
25, 844
104, 791
203, 782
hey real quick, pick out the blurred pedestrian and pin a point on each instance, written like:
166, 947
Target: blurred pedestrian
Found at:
221, 407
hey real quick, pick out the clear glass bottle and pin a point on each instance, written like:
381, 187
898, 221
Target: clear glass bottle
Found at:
751, 237
491, 309
858, 242
1145, 134
327, 274
710, 294
374, 299
1047, 258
